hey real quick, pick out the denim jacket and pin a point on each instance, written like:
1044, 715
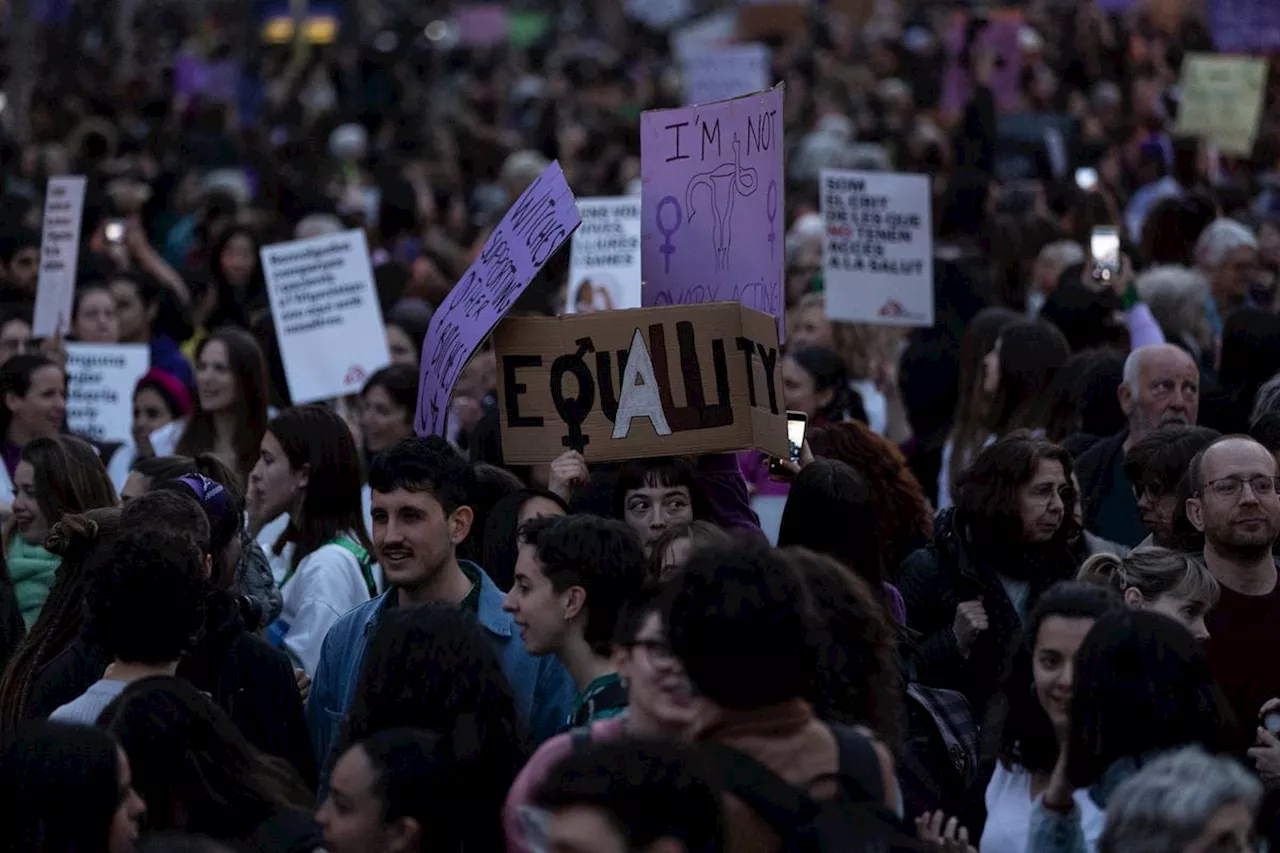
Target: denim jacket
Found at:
543, 689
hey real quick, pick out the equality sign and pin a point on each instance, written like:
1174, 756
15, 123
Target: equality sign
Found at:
325, 306
877, 255
59, 255
725, 72
537, 225
604, 267
645, 382
713, 219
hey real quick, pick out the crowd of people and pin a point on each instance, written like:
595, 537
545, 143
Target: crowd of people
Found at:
1015, 595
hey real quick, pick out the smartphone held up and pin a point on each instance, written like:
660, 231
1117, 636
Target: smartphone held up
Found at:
1104, 250
797, 423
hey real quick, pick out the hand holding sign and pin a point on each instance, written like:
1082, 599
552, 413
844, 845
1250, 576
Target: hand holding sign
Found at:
568, 470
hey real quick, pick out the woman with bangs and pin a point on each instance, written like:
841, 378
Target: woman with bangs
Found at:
1161, 581
652, 495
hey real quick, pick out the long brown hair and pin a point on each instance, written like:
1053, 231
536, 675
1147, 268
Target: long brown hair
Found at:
75, 538
69, 477
249, 367
968, 430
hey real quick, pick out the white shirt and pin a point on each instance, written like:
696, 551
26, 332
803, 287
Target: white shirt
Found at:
327, 583
1009, 805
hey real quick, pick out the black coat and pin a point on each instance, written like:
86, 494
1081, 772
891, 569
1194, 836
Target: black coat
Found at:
934, 581
1095, 469
250, 680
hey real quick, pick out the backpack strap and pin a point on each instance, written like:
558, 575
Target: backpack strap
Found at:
356, 550
859, 763
780, 804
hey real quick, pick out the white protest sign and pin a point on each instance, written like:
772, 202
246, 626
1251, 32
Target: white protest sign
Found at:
59, 255
877, 255
604, 268
711, 31
659, 14
326, 313
725, 72
100, 381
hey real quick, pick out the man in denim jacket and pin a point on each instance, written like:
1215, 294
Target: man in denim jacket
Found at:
421, 489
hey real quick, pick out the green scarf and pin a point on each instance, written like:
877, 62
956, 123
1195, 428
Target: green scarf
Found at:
32, 569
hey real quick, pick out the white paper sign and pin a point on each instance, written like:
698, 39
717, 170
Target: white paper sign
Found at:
659, 14
725, 72
326, 313
100, 382
604, 267
59, 255
711, 31
878, 251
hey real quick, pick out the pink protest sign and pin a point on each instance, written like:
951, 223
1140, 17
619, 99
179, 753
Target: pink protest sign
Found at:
537, 225
1001, 36
481, 24
711, 206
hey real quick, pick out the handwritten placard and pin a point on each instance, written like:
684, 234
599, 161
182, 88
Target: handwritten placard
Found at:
100, 382
725, 72
59, 255
604, 269
712, 209
536, 226
1222, 100
877, 255
327, 318
645, 382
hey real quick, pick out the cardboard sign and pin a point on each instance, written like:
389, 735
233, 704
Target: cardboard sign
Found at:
763, 19
604, 269
325, 307
646, 382
878, 252
100, 382
538, 224
1222, 100
725, 72
713, 217
59, 256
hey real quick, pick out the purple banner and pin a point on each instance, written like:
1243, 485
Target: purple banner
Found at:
538, 224
1001, 36
713, 221
1244, 26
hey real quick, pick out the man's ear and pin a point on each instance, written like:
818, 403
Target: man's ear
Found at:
1195, 513
1134, 599
460, 521
575, 601
404, 834
1125, 394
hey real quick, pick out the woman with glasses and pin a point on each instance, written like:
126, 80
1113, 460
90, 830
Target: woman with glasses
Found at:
970, 591
660, 706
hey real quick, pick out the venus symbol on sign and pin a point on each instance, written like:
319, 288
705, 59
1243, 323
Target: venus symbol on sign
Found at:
771, 211
668, 248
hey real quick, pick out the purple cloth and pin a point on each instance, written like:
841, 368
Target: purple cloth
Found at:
754, 466
894, 604
1144, 331
1244, 26
726, 492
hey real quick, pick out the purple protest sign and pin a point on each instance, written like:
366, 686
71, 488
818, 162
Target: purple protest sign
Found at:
1001, 36
712, 218
538, 224
1244, 26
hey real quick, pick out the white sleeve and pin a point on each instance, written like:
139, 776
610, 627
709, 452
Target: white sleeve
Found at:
164, 441
121, 464
326, 585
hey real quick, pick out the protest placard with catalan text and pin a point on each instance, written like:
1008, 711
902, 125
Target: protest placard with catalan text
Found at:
877, 255
59, 255
725, 72
646, 382
713, 217
326, 313
100, 381
536, 226
604, 267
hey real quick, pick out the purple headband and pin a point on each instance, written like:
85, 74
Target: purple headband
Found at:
212, 496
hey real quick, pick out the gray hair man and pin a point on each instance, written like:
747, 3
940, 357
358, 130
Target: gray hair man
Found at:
1184, 802
1161, 387
1227, 253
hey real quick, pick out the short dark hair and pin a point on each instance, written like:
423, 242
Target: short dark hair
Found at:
1266, 431
1162, 458
401, 384
830, 510
601, 555
1142, 684
428, 464
650, 790
987, 493
1026, 733
169, 510
737, 621
144, 600
657, 472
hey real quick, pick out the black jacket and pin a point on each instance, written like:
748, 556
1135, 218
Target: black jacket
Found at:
250, 680
933, 581
1095, 469
12, 628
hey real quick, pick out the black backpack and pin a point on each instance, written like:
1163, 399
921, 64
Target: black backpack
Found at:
855, 821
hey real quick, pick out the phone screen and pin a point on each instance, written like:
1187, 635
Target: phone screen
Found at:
1086, 178
1104, 248
796, 423
114, 231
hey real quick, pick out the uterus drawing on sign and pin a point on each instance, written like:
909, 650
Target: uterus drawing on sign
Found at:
724, 183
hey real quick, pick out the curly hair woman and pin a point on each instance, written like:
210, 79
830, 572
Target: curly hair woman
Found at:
904, 520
